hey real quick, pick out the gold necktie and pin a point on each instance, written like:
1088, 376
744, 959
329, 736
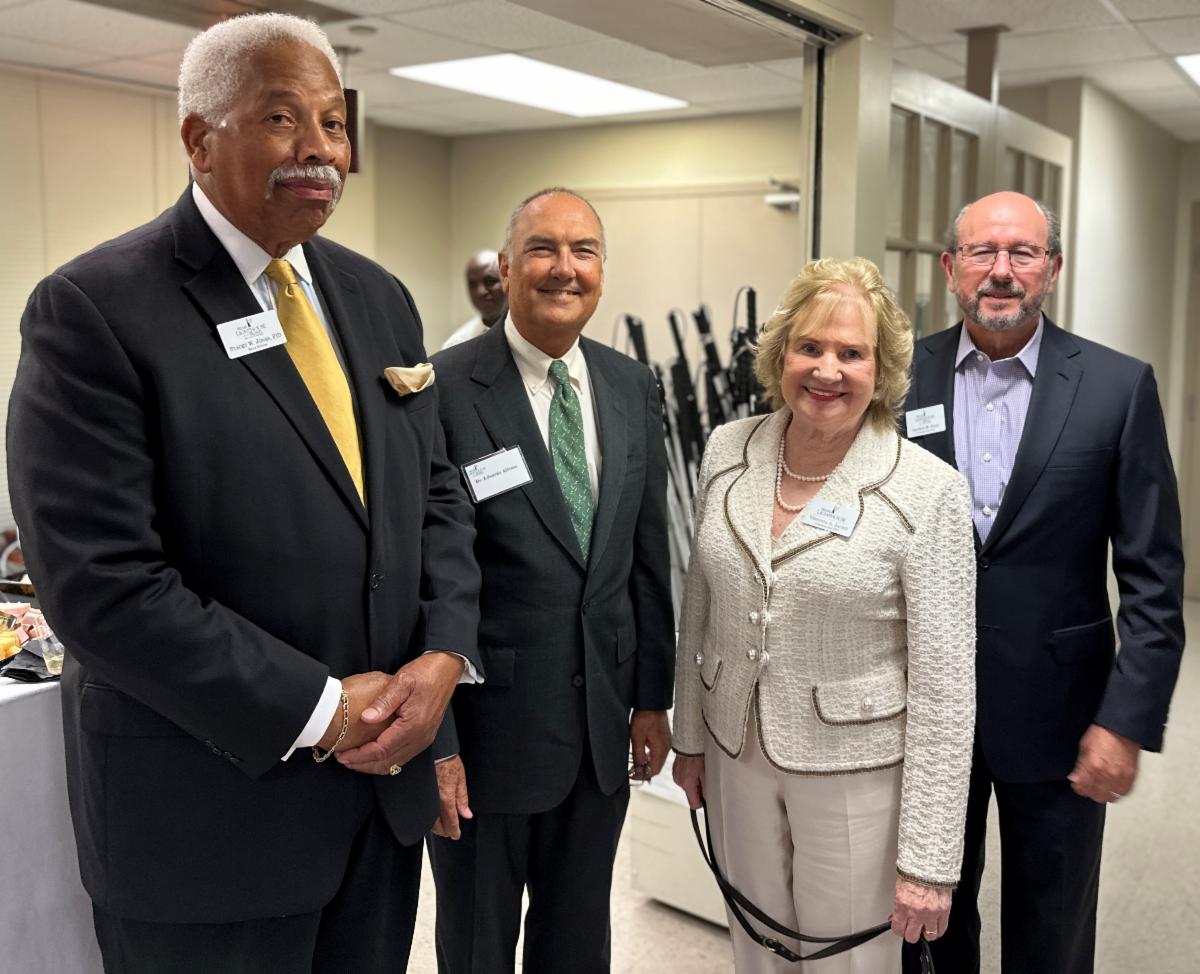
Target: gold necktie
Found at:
312, 352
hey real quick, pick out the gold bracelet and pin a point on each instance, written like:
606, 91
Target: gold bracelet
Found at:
317, 755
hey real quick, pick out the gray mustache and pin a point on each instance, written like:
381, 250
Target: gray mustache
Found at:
326, 174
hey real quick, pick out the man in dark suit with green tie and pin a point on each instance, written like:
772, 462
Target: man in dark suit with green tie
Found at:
576, 629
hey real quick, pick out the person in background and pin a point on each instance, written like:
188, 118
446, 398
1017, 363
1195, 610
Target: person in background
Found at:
487, 296
561, 441
252, 544
1063, 443
825, 672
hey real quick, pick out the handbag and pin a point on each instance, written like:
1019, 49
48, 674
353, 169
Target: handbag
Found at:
739, 905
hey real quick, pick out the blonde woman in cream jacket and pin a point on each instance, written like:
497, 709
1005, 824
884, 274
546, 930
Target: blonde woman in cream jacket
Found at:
825, 695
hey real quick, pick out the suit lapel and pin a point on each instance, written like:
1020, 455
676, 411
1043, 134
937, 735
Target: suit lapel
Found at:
344, 302
614, 451
220, 294
749, 498
505, 412
934, 374
1054, 390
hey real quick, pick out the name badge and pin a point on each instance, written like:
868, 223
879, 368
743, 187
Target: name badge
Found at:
922, 422
494, 474
830, 517
254, 333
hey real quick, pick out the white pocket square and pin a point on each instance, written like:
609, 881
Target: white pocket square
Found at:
409, 379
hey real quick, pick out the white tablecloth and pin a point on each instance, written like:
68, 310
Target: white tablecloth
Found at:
45, 916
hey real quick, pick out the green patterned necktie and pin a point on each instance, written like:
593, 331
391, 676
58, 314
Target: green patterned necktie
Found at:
568, 453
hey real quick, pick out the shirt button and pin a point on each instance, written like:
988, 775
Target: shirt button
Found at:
754, 617
986, 512
979, 356
752, 654
989, 407
868, 705
699, 657
577, 681
987, 458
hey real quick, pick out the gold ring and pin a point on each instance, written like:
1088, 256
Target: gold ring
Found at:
930, 934
394, 770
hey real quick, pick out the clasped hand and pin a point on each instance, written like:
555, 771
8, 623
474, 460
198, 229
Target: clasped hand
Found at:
393, 718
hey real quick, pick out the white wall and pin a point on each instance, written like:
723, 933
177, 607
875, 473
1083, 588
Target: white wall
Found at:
1182, 343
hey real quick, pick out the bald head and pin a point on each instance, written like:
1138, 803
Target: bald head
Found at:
1001, 264
1012, 209
484, 288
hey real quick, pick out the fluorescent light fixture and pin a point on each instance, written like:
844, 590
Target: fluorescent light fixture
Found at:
1191, 64
511, 77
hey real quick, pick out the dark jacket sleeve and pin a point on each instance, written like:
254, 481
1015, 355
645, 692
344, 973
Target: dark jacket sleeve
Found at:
1147, 553
82, 472
650, 576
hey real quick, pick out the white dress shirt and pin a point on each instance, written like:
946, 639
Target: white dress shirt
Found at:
534, 366
252, 261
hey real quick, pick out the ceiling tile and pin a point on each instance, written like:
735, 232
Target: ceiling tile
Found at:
1176, 35
610, 58
938, 21
372, 8
137, 71
792, 67
930, 61
716, 85
395, 45
1137, 75
1155, 9
91, 28
38, 55
497, 24
1058, 50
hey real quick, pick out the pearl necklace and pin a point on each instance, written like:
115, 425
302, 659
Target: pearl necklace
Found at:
780, 467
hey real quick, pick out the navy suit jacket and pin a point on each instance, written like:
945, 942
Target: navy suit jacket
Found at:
569, 644
1092, 469
200, 548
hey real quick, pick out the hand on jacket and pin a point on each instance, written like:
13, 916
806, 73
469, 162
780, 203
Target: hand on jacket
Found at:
452, 793
688, 773
1106, 767
416, 696
920, 909
650, 742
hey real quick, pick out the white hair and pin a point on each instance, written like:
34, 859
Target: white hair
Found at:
214, 63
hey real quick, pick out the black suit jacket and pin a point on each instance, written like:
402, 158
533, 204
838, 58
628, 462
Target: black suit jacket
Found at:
1092, 469
568, 646
199, 547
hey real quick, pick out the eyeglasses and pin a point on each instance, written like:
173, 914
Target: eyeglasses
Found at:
984, 255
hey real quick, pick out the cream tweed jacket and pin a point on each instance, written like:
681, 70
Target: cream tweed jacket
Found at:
858, 653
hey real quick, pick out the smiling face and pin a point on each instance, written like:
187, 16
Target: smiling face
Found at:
829, 370
553, 272
1001, 297
275, 164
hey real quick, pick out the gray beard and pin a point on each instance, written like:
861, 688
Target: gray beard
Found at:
972, 312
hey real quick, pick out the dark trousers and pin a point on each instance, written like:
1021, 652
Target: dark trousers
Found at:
367, 927
565, 858
1050, 840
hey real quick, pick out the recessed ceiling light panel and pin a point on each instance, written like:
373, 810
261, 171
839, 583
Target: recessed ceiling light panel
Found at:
1191, 64
511, 77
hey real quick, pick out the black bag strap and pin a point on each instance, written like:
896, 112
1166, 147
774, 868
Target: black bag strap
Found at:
737, 903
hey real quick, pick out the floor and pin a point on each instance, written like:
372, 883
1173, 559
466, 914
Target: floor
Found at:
1149, 921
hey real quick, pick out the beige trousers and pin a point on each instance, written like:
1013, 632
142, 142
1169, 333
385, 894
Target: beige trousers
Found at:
815, 852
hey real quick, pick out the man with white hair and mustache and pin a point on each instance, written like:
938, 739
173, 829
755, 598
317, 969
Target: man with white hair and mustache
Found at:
234, 499
1063, 444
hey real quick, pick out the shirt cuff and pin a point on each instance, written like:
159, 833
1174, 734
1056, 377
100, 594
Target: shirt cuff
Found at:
469, 673
314, 730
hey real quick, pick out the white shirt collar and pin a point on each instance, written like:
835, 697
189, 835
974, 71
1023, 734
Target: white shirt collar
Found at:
250, 258
534, 364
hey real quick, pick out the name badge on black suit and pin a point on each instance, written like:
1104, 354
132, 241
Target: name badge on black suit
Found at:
496, 473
